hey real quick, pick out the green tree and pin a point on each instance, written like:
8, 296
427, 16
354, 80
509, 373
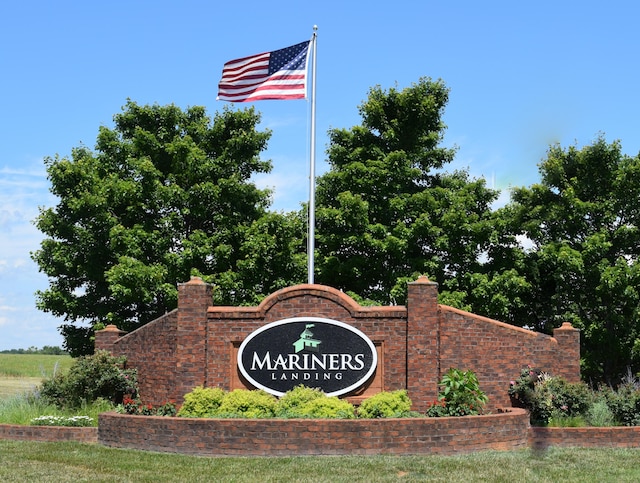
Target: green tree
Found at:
582, 221
387, 211
165, 194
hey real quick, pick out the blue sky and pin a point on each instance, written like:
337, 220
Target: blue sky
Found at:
523, 75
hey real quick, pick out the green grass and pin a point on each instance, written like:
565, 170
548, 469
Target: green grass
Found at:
33, 365
75, 462
23, 372
22, 408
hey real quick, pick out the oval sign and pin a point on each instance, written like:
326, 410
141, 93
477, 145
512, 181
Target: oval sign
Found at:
310, 351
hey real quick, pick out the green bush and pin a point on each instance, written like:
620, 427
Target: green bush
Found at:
292, 403
202, 402
625, 402
385, 404
242, 403
599, 414
100, 375
327, 408
547, 397
460, 395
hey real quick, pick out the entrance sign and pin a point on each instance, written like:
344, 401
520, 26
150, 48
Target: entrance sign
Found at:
311, 351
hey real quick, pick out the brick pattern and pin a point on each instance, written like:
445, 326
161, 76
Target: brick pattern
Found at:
586, 437
152, 352
196, 344
48, 433
496, 352
279, 437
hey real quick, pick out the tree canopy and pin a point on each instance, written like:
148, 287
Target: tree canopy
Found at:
165, 194
583, 265
386, 210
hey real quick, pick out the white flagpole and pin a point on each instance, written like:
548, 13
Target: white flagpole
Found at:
312, 165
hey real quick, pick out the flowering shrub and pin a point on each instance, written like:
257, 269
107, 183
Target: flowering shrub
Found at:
135, 406
547, 397
460, 395
100, 375
75, 421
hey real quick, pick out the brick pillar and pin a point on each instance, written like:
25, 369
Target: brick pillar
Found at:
568, 360
106, 337
194, 298
422, 342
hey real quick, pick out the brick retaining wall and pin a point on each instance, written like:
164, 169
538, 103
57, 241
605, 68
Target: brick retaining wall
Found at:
48, 433
588, 437
210, 437
285, 437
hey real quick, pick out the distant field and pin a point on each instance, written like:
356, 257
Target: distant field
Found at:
22, 372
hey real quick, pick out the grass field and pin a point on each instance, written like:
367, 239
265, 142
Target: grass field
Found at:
75, 462
23, 372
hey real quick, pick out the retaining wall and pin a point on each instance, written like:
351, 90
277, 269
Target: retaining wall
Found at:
286, 437
242, 437
17, 432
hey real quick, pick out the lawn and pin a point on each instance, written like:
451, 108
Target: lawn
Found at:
75, 462
22, 372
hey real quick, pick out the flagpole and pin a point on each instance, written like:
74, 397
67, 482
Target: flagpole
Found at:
312, 165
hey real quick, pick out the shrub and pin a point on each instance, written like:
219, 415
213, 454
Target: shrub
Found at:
460, 395
73, 421
327, 407
599, 414
100, 375
242, 403
624, 403
201, 402
385, 404
547, 397
291, 404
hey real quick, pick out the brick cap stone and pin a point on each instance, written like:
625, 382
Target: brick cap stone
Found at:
423, 279
110, 328
195, 281
566, 326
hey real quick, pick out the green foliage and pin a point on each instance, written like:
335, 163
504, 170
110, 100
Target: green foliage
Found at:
624, 402
581, 222
201, 402
23, 408
241, 403
327, 407
165, 193
395, 404
386, 211
73, 421
599, 414
100, 375
293, 402
549, 397
459, 395
46, 350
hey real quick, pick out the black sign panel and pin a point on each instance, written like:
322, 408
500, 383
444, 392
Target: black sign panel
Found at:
310, 351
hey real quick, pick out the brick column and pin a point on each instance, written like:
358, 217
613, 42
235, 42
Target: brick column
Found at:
422, 342
106, 337
194, 298
568, 360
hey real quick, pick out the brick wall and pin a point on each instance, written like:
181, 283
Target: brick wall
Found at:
197, 343
17, 432
280, 437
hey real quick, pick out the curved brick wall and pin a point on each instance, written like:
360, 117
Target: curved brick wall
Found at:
282, 437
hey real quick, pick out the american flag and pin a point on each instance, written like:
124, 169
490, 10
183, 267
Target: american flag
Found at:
281, 74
